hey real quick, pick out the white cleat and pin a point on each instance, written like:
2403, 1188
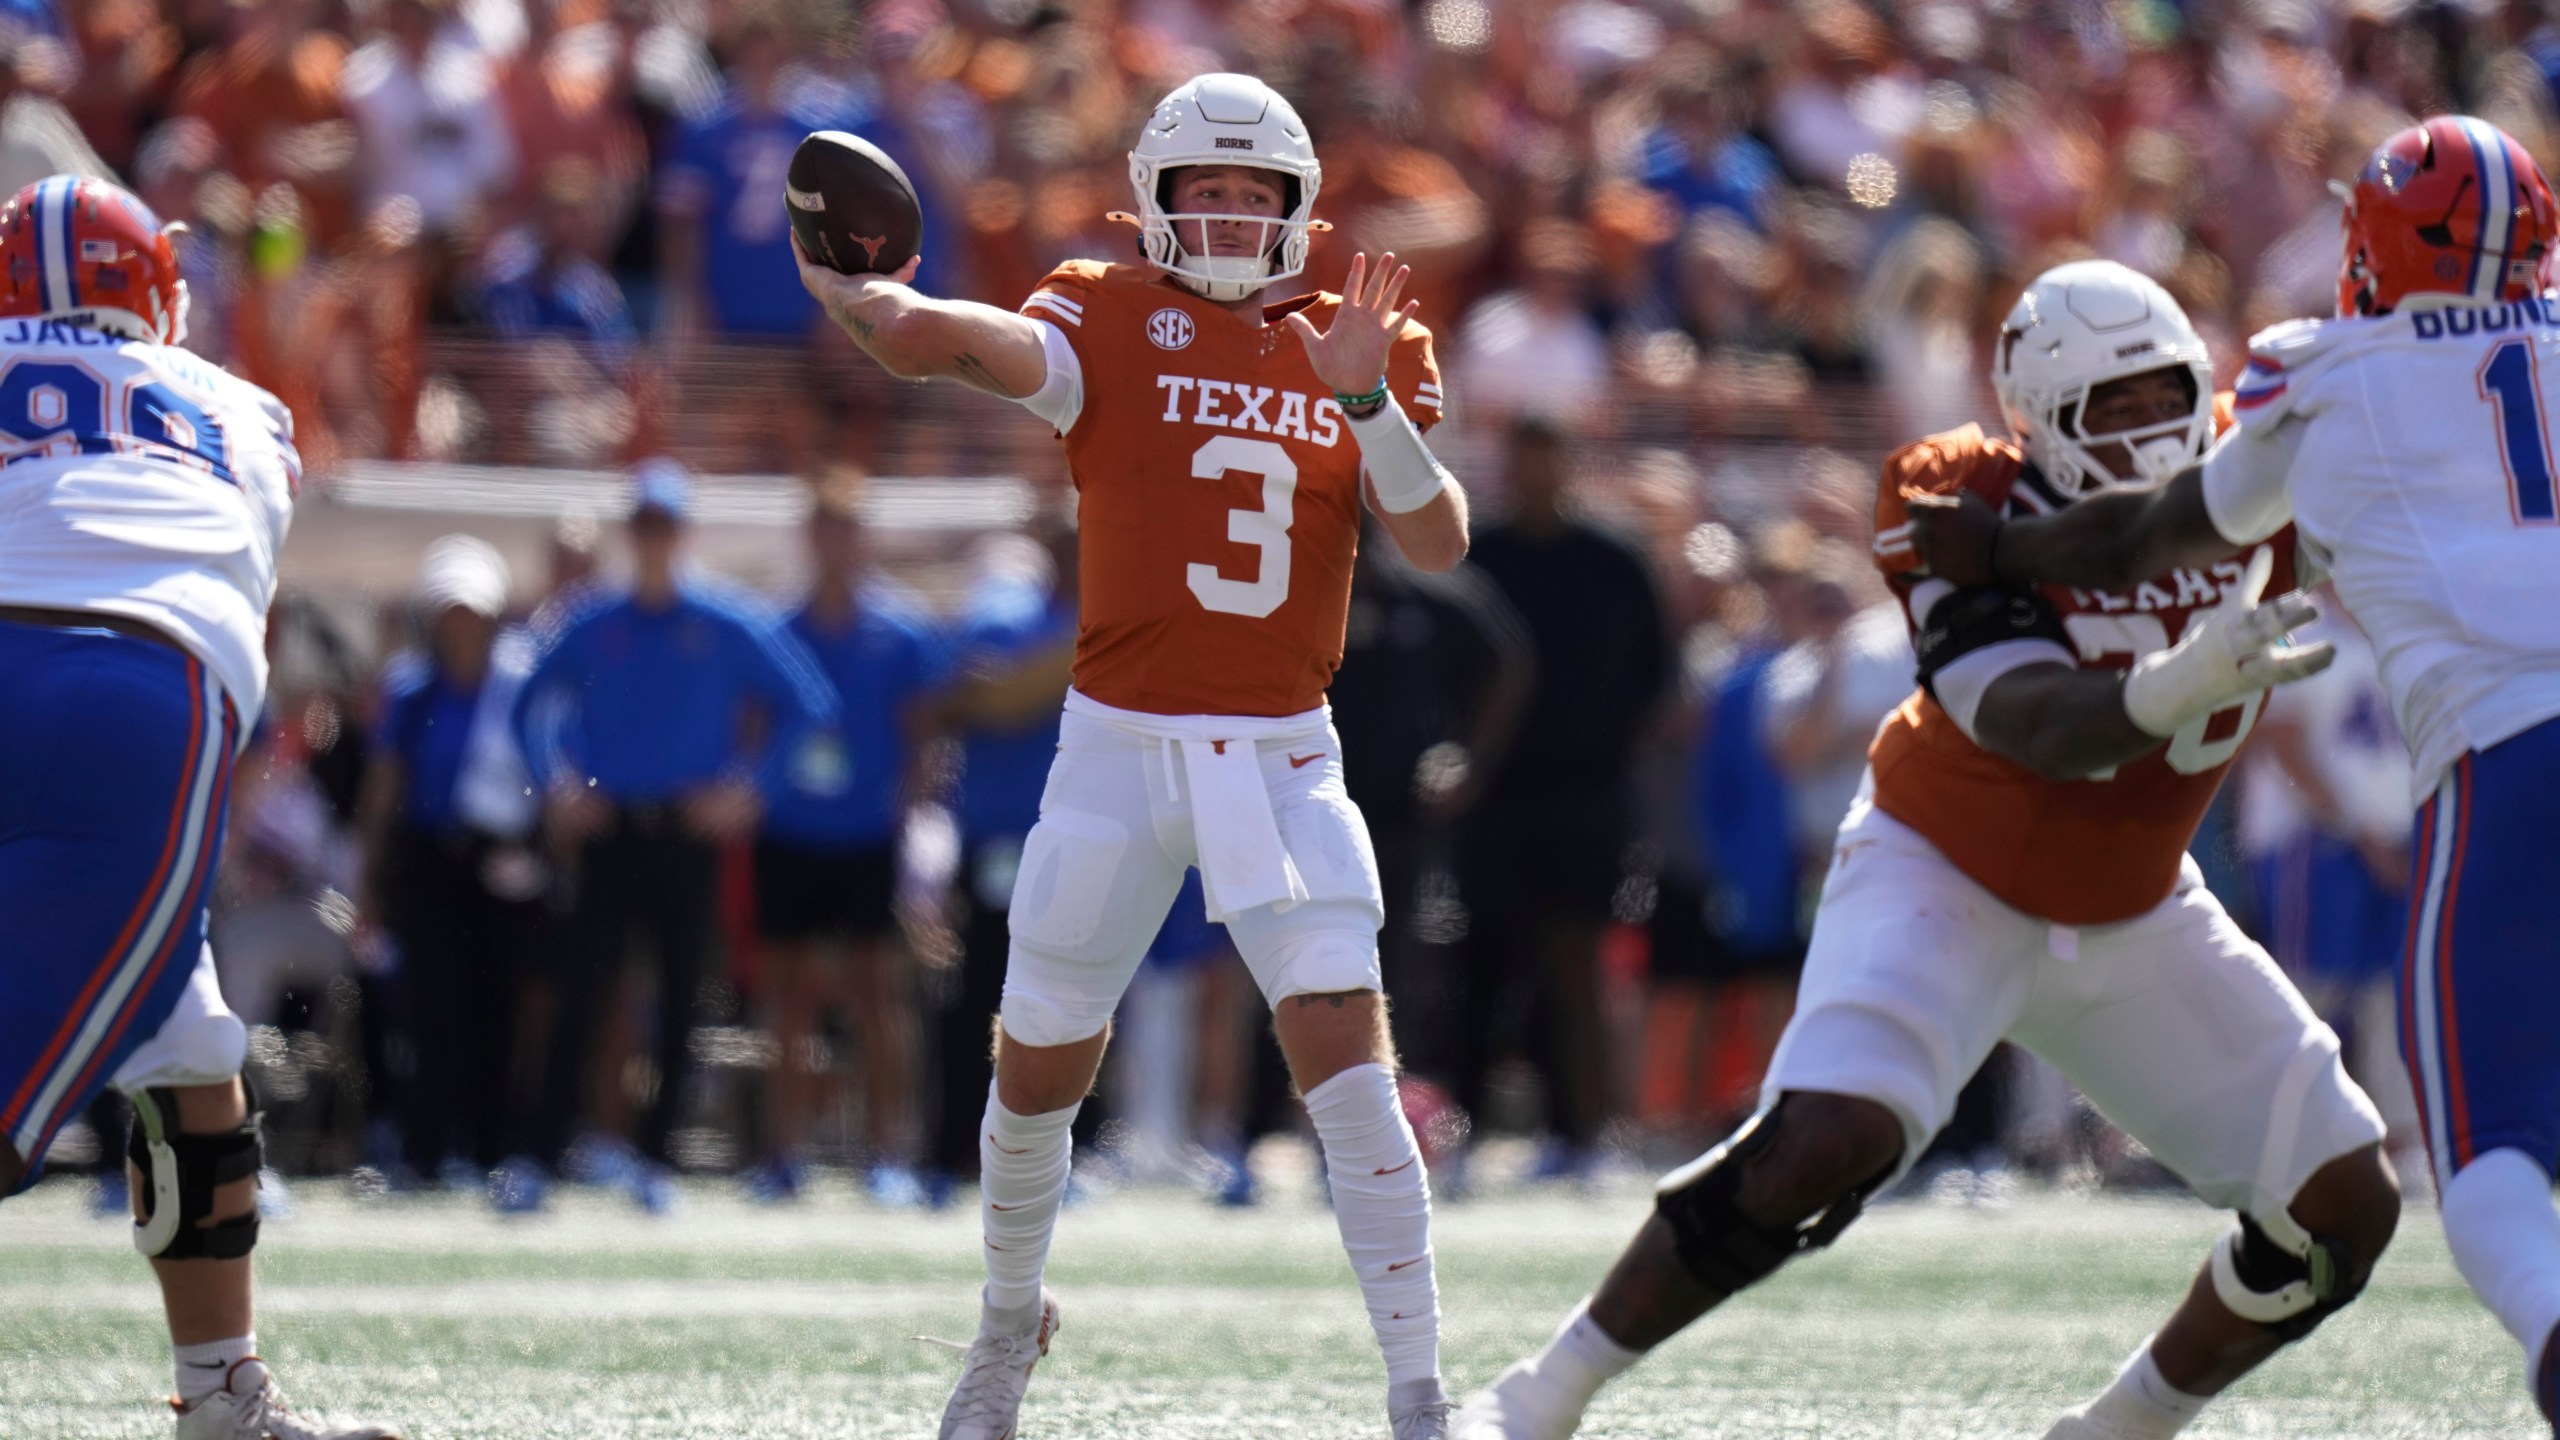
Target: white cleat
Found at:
1429, 1421
988, 1400
1522, 1403
249, 1407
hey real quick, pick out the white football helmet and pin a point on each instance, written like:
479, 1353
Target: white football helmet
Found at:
1226, 120
2077, 327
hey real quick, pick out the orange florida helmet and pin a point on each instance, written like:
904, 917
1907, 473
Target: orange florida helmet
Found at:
72, 247
2452, 206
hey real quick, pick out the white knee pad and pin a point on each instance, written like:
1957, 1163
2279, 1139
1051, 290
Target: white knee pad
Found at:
1323, 947
1052, 1002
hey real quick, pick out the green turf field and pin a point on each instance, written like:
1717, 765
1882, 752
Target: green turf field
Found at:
1182, 1321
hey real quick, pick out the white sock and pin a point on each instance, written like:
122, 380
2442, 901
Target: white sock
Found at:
1382, 1202
1022, 1176
203, 1369
2505, 1239
2143, 1405
1582, 1357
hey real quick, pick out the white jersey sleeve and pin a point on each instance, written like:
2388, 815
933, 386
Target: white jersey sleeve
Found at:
1060, 398
141, 481
2246, 476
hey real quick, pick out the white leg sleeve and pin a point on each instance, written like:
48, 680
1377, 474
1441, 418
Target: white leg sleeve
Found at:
2505, 1237
1382, 1201
1022, 1166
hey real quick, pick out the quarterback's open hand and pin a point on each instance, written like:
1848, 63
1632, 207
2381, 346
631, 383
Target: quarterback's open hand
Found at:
1352, 356
1954, 536
2234, 651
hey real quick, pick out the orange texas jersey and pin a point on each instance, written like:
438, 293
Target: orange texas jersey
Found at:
1219, 493
2078, 852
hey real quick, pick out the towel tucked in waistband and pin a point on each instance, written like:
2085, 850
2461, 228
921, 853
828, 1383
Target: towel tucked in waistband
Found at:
1243, 861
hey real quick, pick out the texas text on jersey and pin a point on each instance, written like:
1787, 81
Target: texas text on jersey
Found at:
1219, 493
2078, 852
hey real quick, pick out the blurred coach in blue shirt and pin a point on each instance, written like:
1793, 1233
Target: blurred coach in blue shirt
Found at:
827, 862
657, 721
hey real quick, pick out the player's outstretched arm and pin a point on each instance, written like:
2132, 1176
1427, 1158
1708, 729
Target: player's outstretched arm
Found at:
917, 337
2061, 722
2104, 542
2064, 722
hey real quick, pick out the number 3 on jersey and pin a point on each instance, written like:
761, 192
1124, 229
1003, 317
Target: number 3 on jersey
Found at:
2111, 641
1266, 529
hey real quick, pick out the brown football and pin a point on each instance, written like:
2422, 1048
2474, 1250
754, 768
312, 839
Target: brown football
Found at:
852, 207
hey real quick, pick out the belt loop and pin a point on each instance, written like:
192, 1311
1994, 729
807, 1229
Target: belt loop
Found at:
1172, 792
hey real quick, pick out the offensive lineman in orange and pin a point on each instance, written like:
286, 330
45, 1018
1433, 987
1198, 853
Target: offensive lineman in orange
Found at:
1221, 449
2015, 867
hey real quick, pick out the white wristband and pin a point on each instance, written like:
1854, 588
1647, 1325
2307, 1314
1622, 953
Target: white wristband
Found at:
1407, 475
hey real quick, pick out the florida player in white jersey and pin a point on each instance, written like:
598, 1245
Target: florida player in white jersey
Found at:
143, 496
2409, 442
2015, 868
1223, 451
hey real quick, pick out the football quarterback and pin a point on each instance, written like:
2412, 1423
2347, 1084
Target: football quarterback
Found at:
1222, 448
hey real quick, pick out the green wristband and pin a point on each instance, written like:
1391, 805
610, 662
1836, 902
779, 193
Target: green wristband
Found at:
1374, 397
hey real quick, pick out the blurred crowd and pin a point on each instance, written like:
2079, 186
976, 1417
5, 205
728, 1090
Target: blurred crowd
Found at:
509, 229
1692, 266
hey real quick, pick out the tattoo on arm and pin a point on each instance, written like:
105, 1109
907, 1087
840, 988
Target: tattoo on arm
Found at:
1335, 999
974, 370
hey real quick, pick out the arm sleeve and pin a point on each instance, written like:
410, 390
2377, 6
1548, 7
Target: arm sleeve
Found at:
1059, 304
2245, 489
1060, 398
1972, 637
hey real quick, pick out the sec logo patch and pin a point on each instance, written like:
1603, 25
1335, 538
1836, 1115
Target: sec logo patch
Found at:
1169, 328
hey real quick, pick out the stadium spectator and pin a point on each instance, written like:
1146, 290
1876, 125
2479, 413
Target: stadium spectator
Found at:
1011, 647
1545, 858
429, 127
827, 859
573, 350
655, 722
544, 277
725, 239
447, 820
1536, 348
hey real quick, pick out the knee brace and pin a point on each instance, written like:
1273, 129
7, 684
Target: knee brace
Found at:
2276, 1274
179, 1175
1725, 1249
